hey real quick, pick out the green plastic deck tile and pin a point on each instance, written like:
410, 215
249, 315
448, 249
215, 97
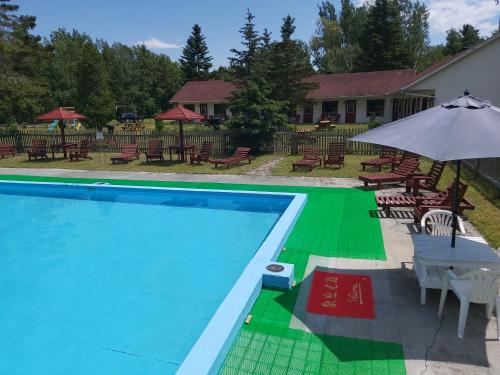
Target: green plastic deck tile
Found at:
334, 223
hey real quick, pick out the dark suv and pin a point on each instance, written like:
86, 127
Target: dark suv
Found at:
129, 116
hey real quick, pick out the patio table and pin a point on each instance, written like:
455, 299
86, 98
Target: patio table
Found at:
468, 253
182, 150
64, 147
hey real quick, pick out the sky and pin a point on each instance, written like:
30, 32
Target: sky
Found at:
164, 25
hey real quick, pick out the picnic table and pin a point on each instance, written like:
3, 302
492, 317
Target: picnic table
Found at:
468, 253
181, 150
62, 146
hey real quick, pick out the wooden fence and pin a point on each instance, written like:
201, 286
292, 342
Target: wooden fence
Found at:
222, 141
487, 169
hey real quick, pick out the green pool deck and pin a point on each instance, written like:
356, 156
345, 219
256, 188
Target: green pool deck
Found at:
334, 223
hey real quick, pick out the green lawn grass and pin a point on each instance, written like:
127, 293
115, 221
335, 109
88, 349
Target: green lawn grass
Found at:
486, 216
102, 162
302, 127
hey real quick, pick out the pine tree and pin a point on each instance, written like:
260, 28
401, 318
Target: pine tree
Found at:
195, 60
290, 64
453, 42
470, 36
255, 114
382, 43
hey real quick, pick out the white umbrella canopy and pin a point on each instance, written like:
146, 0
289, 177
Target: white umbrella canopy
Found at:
463, 128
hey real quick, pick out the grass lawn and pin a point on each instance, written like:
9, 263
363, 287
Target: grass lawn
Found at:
104, 164
302, 127
486, 216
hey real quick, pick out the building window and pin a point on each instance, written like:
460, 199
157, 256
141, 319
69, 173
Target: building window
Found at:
203, 109
220, 109
189, 106
329, 107
375, 108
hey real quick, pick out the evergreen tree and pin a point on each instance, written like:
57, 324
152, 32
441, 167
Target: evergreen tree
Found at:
255, 113
195, 60
94, 97
289, 65
382, 43
470, 36
415, 22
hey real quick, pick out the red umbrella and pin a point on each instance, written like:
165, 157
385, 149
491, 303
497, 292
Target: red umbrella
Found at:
180, 114
61, 114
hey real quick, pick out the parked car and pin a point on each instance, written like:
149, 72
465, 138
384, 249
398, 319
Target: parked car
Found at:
129, 116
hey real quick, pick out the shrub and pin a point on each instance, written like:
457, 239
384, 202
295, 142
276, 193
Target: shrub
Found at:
374, 124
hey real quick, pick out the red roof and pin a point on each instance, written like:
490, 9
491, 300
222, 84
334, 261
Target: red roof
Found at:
360, 84
179, 113
60, 114
204, 91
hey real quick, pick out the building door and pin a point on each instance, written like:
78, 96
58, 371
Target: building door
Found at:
308, 113
350, 111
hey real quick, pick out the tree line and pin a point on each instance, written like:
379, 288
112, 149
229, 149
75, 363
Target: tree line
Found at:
101, 79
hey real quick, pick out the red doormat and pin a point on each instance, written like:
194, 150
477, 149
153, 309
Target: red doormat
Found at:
341, 294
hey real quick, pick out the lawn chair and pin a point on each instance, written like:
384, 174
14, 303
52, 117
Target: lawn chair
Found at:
479, 286
7, 150
335, 156
385, 157
155, 150
202, 155
439, 223
309, 160
38, 149
442, 201
240, 154
428, 182
129, 152
407, 167
80, 152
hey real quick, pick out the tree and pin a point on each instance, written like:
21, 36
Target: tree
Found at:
382, 43
195, 60
289, 65
453, 42
255, 113
415, 23
470, 36
94, 97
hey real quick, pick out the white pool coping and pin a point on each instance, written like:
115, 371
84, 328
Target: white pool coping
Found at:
208, 353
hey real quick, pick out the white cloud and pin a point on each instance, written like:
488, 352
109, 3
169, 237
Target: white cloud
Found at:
155, 43
447, 14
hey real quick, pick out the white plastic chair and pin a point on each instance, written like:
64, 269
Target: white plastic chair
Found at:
440, 223
480, 286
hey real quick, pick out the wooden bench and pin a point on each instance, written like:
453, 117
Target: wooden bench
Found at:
7, 150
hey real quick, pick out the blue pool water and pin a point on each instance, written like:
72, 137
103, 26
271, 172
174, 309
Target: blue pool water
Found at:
94, 281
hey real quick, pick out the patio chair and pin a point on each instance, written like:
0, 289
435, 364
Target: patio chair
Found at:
439, 223
201, 155
309, 160
479, 286
418, 181
385, 157
7, 150
129, 152
399, 175
335, 156
80, 152
239, 155
38, 149
155, 150
442, 201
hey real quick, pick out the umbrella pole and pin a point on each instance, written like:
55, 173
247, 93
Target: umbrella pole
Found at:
63, 137
181, 139
456, 204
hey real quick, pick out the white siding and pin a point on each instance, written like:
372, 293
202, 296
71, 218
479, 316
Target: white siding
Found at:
478, 72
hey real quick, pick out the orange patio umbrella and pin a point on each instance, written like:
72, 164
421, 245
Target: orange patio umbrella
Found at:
180, 114
61, 114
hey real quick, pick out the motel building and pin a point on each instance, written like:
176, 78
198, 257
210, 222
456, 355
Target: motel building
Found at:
382, 96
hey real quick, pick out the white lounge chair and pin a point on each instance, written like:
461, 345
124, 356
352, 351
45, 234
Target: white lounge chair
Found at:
480, 286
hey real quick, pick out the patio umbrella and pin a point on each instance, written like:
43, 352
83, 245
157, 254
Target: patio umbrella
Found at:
180, 114
463, 128
61, 114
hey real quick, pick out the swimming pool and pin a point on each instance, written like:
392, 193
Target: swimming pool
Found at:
101, 279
